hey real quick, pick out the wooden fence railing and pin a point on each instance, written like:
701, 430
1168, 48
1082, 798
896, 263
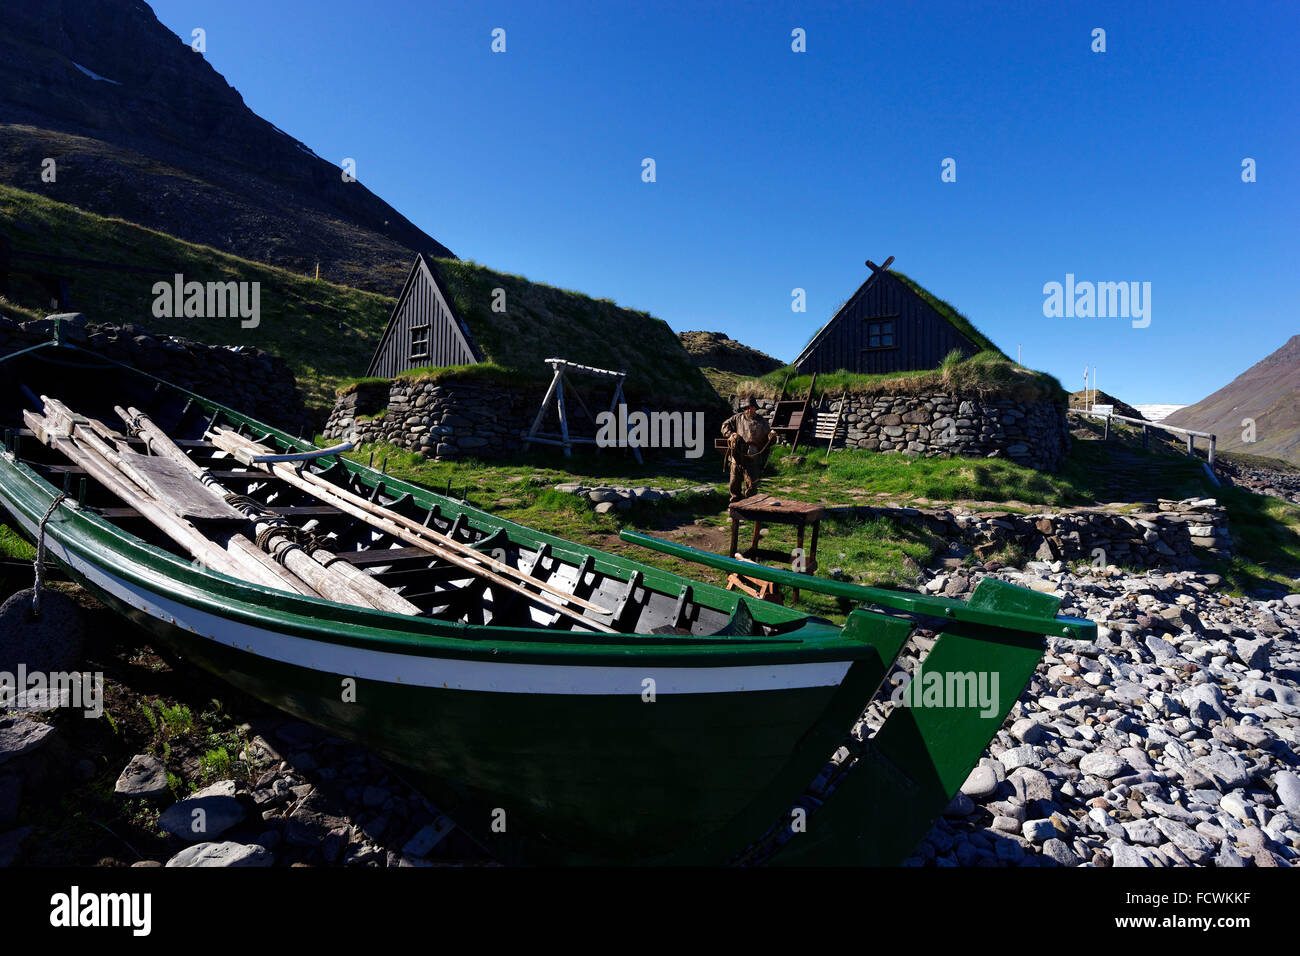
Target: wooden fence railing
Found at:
1188, 433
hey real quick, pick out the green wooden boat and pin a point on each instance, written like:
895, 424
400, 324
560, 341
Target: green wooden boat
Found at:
678, 726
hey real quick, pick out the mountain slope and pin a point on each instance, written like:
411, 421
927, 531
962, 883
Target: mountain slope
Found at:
1269, 393
143, 128
718, 350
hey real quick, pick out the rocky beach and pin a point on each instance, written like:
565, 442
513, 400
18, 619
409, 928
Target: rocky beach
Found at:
1170, 741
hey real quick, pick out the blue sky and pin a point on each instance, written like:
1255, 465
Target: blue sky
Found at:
779, 170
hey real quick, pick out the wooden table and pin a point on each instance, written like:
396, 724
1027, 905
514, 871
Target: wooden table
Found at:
768, 509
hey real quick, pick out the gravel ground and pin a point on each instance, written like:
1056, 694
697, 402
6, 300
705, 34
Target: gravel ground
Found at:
1170, 741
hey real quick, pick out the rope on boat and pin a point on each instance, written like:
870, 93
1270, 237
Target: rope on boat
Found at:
277, 527
40, 553
134, 425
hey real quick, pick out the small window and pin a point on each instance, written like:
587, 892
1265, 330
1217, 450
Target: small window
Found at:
420, 342
880, 335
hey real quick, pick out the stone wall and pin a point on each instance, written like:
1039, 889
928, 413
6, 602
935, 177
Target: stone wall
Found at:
444, 420
932, 425
454, 419
1178, 534
243, 378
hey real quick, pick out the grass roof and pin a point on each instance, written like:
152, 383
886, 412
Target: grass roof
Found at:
985, 375
541, 322
964, 325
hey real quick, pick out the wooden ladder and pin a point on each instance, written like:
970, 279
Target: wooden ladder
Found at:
828, 423
788, 416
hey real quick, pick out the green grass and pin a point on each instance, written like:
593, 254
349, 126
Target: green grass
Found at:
1260, 461
724, 383
852, 475
484, 373
1266, 542
13, 546
300, 316
986, 375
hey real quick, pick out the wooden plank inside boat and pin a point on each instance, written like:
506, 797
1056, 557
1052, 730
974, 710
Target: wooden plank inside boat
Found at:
188, 496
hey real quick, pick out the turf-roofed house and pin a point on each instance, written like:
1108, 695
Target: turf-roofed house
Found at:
461, 369
891, 324
897, 369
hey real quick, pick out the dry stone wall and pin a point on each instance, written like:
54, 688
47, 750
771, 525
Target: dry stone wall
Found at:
453, 419
243, 378
933, 425
444, 420
1175, 534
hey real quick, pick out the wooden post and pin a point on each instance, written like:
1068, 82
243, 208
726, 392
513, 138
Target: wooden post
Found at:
799, 551
564, 419
1213, 440
1146, 438
1106, 435
613, 408
1191, 444
546, 402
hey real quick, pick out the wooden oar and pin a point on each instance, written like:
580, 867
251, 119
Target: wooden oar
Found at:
462, 549
399, 526
333, 577
204, 549
995, 603
250, 562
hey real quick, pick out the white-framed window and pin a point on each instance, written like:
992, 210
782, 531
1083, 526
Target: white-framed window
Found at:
419, 342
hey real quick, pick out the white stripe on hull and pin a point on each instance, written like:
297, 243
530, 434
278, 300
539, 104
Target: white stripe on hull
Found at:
450, 673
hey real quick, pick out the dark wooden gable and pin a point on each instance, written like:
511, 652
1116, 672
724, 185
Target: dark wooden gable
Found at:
884, 327
424, 328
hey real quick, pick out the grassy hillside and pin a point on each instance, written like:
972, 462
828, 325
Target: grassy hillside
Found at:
325, 332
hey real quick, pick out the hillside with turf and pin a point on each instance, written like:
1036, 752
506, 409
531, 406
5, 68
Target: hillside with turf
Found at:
326, 332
